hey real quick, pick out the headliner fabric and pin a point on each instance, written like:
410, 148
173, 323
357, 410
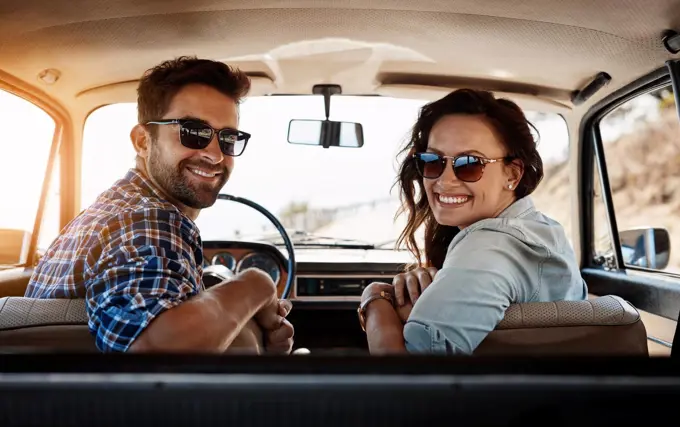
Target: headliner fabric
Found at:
553, 44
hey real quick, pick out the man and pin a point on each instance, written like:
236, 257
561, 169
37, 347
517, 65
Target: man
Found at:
136, 254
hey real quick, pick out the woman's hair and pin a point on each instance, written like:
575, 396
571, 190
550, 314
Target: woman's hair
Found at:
510, 123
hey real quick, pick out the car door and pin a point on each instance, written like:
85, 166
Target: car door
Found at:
630, 188
29, 202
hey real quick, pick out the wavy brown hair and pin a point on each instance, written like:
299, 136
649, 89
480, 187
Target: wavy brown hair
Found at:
508, 120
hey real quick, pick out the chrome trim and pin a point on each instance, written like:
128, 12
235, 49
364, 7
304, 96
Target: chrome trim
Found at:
224, 253
660, 341
271, 257
335, 276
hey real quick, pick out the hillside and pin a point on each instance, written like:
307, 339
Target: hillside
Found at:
644, 173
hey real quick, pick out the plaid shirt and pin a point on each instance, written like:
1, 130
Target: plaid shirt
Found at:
132, 255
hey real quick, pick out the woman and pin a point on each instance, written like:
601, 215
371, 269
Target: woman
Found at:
470, 166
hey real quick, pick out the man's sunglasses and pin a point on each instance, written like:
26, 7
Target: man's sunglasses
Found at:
467, 167
197, 135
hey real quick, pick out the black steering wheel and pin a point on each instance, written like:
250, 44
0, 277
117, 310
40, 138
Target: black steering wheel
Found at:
286, 240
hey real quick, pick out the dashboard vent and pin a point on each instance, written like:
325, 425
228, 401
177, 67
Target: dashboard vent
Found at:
335, 286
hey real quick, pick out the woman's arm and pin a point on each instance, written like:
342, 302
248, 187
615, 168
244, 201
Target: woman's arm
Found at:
384, 328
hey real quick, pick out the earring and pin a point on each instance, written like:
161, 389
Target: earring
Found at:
509, 186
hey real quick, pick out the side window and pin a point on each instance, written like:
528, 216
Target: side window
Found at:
552, 195
603, 242
641, 140
25, 142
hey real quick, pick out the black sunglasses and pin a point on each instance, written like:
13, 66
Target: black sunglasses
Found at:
466, 167
197, 135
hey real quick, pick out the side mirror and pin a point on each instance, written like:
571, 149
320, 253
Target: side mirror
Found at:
646, 247
326, 133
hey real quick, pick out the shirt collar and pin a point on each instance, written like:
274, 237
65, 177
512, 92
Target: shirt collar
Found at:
519, 208
135, 177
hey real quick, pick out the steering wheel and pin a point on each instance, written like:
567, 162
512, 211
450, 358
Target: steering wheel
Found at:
282, 231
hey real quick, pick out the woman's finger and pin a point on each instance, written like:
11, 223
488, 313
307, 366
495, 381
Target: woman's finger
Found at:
413, 287
399, 284
424, 278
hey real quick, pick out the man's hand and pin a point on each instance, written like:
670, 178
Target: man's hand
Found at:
268, 316
280, 340
410, 285
272, 316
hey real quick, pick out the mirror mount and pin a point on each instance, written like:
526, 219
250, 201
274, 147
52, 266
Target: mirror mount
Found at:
326, 133
329, 133
327, 91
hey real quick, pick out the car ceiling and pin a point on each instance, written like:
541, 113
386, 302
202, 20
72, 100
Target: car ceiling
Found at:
542, 49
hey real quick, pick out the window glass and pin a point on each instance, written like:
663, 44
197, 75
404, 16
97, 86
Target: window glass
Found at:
338, 192
25, 142
552, 195
641, 141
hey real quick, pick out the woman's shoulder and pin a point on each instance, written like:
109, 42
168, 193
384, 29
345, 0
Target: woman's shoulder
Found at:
520, 224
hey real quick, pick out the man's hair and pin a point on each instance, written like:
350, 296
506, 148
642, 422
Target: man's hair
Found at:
160, 84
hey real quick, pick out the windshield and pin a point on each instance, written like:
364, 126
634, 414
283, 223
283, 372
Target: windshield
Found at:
343, 193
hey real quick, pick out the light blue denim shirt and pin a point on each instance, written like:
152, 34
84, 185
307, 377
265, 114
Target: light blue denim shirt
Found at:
520, 256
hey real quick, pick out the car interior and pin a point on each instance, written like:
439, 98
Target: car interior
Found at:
342, 80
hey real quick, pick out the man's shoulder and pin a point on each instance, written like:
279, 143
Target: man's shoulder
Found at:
129, 210
132, 193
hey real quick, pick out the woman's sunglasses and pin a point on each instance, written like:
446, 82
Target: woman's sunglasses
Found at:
197, 135
467, 167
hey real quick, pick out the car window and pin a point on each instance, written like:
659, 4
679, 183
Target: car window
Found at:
337, 192
25, 142
603, 243
641, 140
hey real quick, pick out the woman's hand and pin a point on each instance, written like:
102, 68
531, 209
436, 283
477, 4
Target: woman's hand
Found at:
410, 285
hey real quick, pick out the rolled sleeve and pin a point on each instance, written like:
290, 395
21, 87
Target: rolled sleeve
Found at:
422, 338
144, 272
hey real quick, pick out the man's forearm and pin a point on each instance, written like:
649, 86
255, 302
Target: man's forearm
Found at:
384, 330
209, 322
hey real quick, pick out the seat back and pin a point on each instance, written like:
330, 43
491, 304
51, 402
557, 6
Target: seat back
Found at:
603, 326
44, 325
606, 325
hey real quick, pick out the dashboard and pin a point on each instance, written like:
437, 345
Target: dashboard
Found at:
323, 274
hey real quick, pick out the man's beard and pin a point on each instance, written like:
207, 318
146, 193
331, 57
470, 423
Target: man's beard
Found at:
176, 184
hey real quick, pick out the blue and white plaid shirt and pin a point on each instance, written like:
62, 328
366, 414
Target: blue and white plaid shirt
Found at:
131, 254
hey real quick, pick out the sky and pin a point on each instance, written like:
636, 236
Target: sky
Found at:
271, 172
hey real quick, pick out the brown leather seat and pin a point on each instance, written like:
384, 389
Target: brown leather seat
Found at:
602, 326
606, 325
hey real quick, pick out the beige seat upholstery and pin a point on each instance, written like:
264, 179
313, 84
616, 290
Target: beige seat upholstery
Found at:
605, 325
602, 326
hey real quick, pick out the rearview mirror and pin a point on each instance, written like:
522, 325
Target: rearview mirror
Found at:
646, 247
326, 133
